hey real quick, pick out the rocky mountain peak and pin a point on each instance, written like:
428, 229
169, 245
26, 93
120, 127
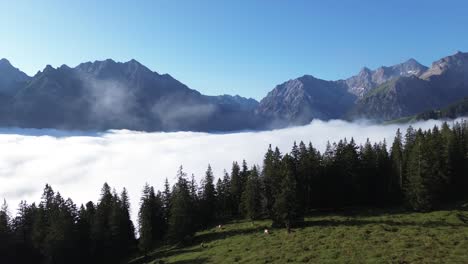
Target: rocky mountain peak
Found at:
368, 79
365, 70
10, 77
457, 63
5, 62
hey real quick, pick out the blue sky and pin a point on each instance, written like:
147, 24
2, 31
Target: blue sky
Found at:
234, 47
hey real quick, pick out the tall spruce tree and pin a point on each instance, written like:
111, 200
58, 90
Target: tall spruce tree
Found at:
84, 223
251, 197
150, 219
223, 201
6, 246
121, 226
166, 199
286, 205
181, 226
208, 199
235, 189
103, 246
397, 172
271, 178
417, 193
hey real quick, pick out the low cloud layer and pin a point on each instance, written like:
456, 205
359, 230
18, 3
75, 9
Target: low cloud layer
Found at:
77, 164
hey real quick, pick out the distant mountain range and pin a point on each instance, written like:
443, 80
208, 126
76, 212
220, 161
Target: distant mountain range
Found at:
112, 95
384, 94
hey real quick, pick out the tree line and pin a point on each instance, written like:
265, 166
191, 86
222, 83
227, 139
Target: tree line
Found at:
422, 170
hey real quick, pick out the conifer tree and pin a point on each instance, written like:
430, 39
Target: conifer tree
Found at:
150, 219
286, 205
235, 189
100, 231
271, 178
314, 191
251, 197
417, 193
83, 226
181, 226
244, 175
223, 202
5, 235
121, 227
397, 173
208, 199
22, 228
166, 199
4, 219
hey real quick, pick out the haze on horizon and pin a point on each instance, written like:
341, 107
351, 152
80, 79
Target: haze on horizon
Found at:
241, 47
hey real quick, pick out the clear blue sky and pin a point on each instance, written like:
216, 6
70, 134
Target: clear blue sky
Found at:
234, 47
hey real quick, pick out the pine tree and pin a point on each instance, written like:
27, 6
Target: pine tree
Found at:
4, 219
314, 186
271, 178
208, 199
303, 173
235, 189
121, 226
286, 205
22, 227
150, 219
366, 183
223, 202
181, 226
166, 199
60, 240
6, 245
42, 219
416, 192
83, 226
251, 197
397, 166
100, 231
386, 184
244, 175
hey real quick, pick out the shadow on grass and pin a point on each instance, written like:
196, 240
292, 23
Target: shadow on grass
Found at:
168, 252
191, 261
216, 235
355, 222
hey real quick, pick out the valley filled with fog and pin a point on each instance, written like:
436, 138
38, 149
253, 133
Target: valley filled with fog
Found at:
77, 163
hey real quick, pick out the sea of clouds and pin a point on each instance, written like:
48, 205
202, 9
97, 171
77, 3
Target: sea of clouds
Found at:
78, 163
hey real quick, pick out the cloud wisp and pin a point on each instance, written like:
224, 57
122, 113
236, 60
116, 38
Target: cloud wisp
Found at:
77, 164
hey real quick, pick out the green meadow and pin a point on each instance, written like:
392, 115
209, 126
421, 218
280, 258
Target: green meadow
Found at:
363, 236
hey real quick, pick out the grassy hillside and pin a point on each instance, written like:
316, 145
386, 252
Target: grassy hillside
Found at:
359, 237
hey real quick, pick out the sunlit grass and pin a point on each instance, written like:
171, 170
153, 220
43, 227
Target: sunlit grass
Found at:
363, 237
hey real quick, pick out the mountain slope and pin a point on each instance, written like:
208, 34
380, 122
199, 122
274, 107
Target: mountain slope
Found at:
395, 99
452, 111
111, 95
11, 78
367, 79
298, 101
444, 83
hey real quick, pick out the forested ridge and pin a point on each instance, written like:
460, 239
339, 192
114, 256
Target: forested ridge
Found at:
421, 170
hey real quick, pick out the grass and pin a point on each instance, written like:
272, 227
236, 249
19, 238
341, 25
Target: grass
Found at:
353, 237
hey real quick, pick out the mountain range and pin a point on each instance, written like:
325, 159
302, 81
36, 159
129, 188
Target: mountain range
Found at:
112, 95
